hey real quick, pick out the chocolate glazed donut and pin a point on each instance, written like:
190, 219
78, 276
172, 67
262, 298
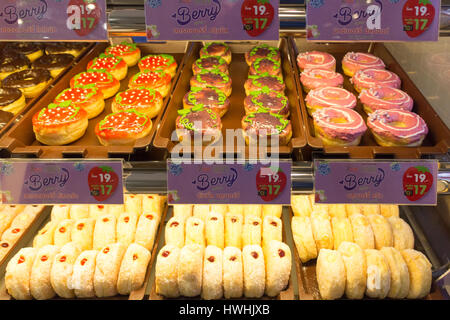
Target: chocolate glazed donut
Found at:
22, 47
8, 96
31, 82
12, 62
55, 63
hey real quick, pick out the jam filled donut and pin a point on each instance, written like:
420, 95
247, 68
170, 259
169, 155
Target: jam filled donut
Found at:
162, 62
210, 63
354, 61
316, 60
55, 63
395, 128
265, 124
158, 80
385, 98
274, 102
369, 78
258, 82
11, 100
123, 128
31, 81
317, 78
266, 65
103, 80
209, 97
219, 49
198, 120
114, 65
60, 124
144, 100
12, 62
339, 126
30, 49
88, 98
262, 51
214, 78
329, 97
73, 48
128, 51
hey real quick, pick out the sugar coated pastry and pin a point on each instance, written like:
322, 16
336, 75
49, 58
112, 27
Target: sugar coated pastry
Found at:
5, 247
210, 63
378, 274
219, 49
152, 203
253, 210
354, 61
322, 232
337, 210
331, 276
233, 231
420, 277
116, 209
126, 228
219, 208
212, 279
272, 229
79, 211
60, 212
87, 97
382, 231
233, 277
82, 233
275, 102
262, 51
166, 271
215, 230
317, 78
163, 62
128, 51
83, 274
272, 210
182, 211
174, 234
303, 238
62, 269
40, 284
266, 65
102, 79
201, 211
301, 206
402, 233
252, 231
195, 231
62, 233
21, 219
45, 235
277, 256
12, 234
114, 65
133, 203
399, 273
254, 271
146, 230
385, 98
107, 269
362, 231
325, 97
316, 60
369, 78
133, 269
6, 217
237, 209
190, 266
97, 210
353, 209
18, 272
104, 231
355, 269
210, 97
389, 210
342, 231
368, 209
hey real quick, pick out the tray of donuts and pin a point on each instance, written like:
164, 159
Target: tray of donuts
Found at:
358, 102
238, 86
357, 252
88, 252
108, 105
213, 252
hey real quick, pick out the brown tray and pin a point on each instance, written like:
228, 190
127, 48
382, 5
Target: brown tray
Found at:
232, 119
21, 141
437, 141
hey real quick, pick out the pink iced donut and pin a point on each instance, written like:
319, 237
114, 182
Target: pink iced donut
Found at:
385, 98
393, 128
316, 59
329, 97
339, 126
317, 78
354, 61
369, 78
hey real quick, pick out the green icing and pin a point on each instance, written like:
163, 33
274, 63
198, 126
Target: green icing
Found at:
104, 56
198, 62
64, 104
273, 51
263, 75
265, 90
193, 100
118, 98
186, 123
140, 115
283, 122
257, 63
225, 77
170, 59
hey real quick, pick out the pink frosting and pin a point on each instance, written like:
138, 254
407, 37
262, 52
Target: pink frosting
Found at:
316, 59
386, 98
349, 131
355, 61
369, 78
317, 78
331, 97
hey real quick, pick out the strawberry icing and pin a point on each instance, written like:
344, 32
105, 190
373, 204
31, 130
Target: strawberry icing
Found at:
331, 97
368, 78
354, 61
386, 98
317, 78
316, 59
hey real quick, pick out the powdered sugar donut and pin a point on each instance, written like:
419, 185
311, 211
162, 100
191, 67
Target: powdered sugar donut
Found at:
369, 78
354, 61
316, 59
318, 78
385, 98
329, 97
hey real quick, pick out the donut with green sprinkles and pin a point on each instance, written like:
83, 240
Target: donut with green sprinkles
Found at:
212, 78
266, 65
275, 102
262, 51
209, 97
264, 123
258, 82
198, 119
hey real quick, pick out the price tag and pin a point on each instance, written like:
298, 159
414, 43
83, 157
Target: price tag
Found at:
257, 16
270, 182
417, 182
417, 17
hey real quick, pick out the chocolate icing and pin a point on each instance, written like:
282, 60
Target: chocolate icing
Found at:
26, 78
55, 48
10, 62
22, 47
53, 61
9, 95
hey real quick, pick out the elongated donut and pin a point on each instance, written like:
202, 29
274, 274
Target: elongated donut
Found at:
355, 269
82, 233
316, 60
18, 272
312, 79
337, 211
254, 271
212, 279
354, 61
201, 211
104, 231
195, 231
107, 269
301, 206
62, 233
342, 231
133, 269
385, 98
182, 211
277, 256
370, 78
252, 231
190, 270
331, 276
382, 231
45, 235
133, 203
62, 269
325, 97
126, 228
272, 229
402, 233
146, 229
420, 276
362, 231
79, 211
215, 230
166, 271
322, 231
303, 238
97, 210
233, 231
60, 212
233, 277
40, 284
399, 273
174, 234
83, 274
378, 274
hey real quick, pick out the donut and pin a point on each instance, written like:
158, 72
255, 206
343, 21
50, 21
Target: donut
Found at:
258, 82
161, 62
144, 100
339, 126
114, 65
103, 80
210, 63
262, 51
11, 100
385, 98
87, 97
317, 78
209, 97
128, 51
397, 128
266, 65
263, 124
325, 97
59, 124
372, 77
55, 63
354, 61
316, 60
31, 50
219, 49
31, 81
158, 80
12, 62
123, 128
275, 102
214, 78
73, 48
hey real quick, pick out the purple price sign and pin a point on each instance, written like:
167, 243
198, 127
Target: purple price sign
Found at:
237, 183
403, 182
212, 20
61, 182
42, 20
375, 20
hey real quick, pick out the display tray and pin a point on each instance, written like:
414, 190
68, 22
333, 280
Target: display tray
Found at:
21, 140
238, 70
437, 142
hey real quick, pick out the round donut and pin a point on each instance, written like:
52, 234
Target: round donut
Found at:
262, 51
31, 81
317, 78
102, 79
123, 128
210, 63
209, 97
219, 49
264, 124
12, 62
60, 124
339, 126
128, 51
158, 80
73, 48
266, 65
144, 100
31, 50
258, 82
275, 102
385, 98
55, 63
214, 78
11, 100
329, 97
369, 78
162, 62
393, 128
114, 65
354, 61
316, 60
88, 98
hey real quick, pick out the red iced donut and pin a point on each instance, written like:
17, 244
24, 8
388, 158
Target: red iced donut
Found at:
103, 80
162, 62
114, 65
158, 80
369, 78
385, 98
354, 61
317, 78
88, 98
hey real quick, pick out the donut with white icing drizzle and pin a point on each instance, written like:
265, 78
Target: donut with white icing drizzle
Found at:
385, 98
369, 78
354, 61
329, 97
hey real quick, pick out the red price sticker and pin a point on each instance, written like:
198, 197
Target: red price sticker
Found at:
417, 16
417, 181
257, 16
83, 16
103, 181
270, 184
